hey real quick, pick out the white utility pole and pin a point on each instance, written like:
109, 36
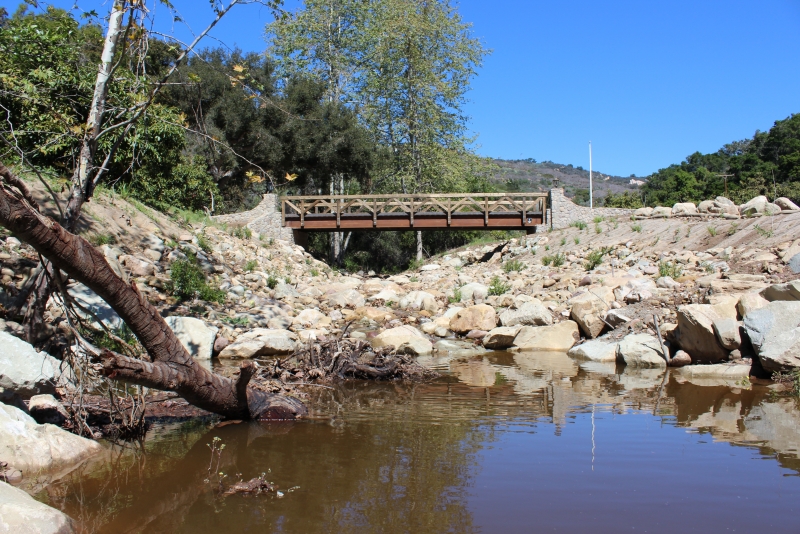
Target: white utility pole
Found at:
591, 203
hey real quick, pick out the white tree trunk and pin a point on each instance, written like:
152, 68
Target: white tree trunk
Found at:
419, 246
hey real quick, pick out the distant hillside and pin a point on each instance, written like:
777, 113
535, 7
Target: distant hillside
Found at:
524, 175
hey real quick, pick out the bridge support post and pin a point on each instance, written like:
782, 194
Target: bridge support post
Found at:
300, 238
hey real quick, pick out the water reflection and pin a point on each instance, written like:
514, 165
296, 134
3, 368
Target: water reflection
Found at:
448, 456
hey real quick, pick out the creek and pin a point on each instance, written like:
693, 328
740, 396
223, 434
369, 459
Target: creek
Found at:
502, 443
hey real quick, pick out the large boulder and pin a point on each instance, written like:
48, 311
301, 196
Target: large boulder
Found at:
45, 409
195, 335
756, 206
786, 205
246, 348
662, 211
749, 302
788, 291
349, 298
33, 448
684, 208
635, 290
501, 337
419, 300
596, 350
640, 350
478, 317
727, 332
22, 514
276, 341
589, 313
137, 266
474, 291
695, 332
96, 305
774, 332
405, 339
24, 371
560, 337
531, 313
309, 317
643, 212
283, 290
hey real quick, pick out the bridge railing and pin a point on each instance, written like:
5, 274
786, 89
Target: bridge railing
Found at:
447, 204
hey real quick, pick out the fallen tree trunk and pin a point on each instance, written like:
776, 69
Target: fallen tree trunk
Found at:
171, 367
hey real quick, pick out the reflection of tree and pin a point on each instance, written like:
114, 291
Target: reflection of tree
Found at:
392, 457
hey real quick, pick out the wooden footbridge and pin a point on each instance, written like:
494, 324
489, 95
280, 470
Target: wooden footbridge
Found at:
472, 211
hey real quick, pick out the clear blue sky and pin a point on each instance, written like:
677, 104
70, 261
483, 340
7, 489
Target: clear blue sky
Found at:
647, 82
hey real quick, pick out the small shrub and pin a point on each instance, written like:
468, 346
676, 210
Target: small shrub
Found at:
547, 247
712, 231
513, 265
272, 282
734, 227
413, 279
762, 232
237, 321
671, 269
204, 244
250, 266
314, 271
242, 232
580, 225
99, 240
456, 296
559, 259
577, 240
498, 287
413, 265
636, 228
188, 281
597, 229
563, 241
599, 219
595, 258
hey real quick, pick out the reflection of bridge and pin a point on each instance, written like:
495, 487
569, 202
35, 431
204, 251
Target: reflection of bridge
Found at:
467, 211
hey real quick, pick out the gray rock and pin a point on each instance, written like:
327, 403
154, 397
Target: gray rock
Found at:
616, 318
794, 263
46, 409
727, 331
153, 242
558, 337
774, 332
152, 255
596, 350
24, 371
247, 348
684, 208
195, 335
501, 337
283, 290
641, 350
680, 359
347, 298
695, 332
137, 266
474, 291
34, 448
662, 211
788, 291
406, 339
756, 206
22, 514
96, 305
786, 205
531, 313
666, 282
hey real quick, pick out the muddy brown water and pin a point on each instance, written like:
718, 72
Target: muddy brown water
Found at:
504, 443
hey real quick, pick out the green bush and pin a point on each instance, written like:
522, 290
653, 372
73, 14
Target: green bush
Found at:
188, 281
673, 270
513, 265
272, 282
250, 266
498, 287
636, 228
204, 244
242, 232
595, 258
580, 225
456, 296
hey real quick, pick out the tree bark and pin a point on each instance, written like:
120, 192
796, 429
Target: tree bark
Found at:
171, 367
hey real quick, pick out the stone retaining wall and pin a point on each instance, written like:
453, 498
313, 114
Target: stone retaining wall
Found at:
563, 211
264, 219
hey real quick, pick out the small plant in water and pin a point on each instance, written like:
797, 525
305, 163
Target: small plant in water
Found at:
498, 287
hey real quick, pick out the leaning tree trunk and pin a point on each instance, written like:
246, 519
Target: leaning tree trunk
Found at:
170, 367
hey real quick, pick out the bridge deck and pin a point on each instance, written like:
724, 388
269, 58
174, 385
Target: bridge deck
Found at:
475, 211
